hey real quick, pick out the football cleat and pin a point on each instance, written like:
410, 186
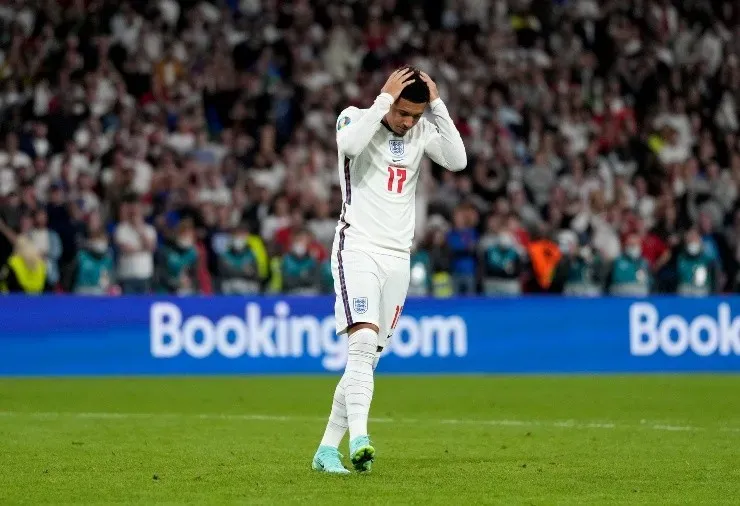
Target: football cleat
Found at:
362, 453
328, 460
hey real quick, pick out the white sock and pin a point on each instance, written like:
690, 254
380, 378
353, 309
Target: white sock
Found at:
358, 387
337, 425
376, 359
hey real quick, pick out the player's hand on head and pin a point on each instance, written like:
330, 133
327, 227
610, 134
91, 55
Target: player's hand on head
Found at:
397, 81
433, 93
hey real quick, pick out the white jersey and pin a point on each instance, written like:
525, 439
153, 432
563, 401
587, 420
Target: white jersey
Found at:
379, 169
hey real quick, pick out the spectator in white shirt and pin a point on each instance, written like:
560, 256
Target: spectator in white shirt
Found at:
136, 241
13, 158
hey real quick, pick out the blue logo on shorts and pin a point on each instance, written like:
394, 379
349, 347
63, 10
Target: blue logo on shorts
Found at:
360, 304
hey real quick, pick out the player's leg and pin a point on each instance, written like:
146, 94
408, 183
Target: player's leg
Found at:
362, 301
396, 275
327, 457
360, 386
395, 284
356, 311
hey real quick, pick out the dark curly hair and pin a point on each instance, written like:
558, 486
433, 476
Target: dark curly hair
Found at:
418, 91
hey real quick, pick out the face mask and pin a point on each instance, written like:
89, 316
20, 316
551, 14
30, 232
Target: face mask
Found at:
238, 243
300, 249
98, 247
693, 248
505, 240
418, 274
634, 252
185, 242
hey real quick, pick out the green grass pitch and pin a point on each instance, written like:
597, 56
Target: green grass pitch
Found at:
538, 440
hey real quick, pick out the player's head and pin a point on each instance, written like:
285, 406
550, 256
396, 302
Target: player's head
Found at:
407, 110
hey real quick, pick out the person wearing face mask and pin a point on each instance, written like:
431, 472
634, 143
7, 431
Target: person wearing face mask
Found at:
420, 284
177, 261
94, 268
585, 270
300, 272
240, 269
695, 269
327, 278
501, 261
630, 273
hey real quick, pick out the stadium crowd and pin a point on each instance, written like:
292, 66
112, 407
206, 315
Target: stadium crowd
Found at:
188, 146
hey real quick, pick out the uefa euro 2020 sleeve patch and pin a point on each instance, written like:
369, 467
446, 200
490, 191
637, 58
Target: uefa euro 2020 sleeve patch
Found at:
343, 122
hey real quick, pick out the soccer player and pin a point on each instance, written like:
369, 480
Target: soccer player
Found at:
380, 150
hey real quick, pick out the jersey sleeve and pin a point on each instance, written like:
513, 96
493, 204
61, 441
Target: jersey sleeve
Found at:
444, 144
355, 127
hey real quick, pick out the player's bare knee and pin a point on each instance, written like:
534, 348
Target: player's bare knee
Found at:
359, 326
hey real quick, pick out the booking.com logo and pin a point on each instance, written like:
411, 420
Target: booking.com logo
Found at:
284, 335
704, 335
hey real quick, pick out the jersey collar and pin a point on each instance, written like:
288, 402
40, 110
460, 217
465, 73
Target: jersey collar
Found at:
387, 126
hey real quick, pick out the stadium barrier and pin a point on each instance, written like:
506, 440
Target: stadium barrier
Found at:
236, 335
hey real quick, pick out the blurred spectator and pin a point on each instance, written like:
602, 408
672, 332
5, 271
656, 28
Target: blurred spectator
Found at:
323, 225
463, 241
177, 261
279, 218
549, 265
94, 266
283, 238
49, 246
242, 267
630, 272
327, 278
585, 268
136, 242
501, 260
440, 259
300, 272
420, 281
696, 269
25, 271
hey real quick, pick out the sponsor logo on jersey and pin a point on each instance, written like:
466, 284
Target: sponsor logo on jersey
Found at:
397, 147
360, 304
343, 122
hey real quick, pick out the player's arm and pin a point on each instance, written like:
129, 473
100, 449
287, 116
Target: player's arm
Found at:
445, 145
354, 130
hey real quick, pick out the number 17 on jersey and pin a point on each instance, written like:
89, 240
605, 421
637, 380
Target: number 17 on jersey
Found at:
397, 175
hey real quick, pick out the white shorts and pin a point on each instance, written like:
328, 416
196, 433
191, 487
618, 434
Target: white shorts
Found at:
370, 288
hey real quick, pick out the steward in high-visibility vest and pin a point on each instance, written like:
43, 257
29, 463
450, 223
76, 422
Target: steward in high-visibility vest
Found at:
25, 271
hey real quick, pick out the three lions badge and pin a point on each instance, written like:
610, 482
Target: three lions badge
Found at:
360, 305
396, 146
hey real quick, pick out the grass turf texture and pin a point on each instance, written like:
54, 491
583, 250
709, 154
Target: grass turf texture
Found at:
440, 440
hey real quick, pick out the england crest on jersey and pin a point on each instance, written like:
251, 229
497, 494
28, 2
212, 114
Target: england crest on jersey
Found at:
360, 304
397, 148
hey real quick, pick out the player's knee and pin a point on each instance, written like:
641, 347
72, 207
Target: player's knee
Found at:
363, 345
359, 326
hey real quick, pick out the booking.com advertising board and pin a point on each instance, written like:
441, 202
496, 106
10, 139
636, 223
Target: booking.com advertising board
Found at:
235, 335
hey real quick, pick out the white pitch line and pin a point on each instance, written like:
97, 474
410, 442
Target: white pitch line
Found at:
565, 424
